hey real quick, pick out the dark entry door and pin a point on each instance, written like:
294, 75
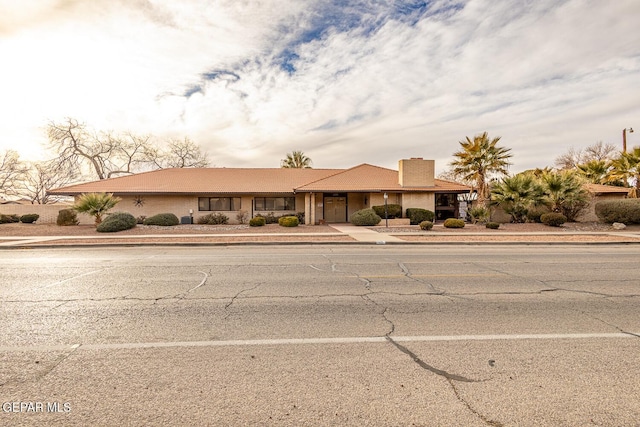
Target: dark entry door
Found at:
335, 209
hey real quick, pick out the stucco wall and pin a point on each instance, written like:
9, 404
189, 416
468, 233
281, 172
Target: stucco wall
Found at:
48, 213
418, 200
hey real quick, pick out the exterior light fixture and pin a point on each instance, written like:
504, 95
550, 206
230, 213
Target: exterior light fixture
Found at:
624, 138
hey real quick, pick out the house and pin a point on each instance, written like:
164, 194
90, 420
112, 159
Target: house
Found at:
599, 193
324, 195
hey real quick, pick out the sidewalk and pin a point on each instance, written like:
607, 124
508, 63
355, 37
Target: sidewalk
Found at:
344, 234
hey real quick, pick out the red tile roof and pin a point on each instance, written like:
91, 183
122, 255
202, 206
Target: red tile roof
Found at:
603, 189
362, 178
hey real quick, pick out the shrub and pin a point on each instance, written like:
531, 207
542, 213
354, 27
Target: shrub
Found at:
492, 225
29, 218
117, 221
163, 219
258, 221
242, 217
534, 214
213, 219
479, 214
289, 221
140, 219
67, 217
626, 211
8, 219
269, 218
417, 215
553, 219
393, 211
453, 223
426, 225
365, 217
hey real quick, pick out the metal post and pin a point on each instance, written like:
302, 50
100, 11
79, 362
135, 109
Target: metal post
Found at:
624, 138
386, 212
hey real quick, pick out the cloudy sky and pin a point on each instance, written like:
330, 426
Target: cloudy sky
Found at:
345, 81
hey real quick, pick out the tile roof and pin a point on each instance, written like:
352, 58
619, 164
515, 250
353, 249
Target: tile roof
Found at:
600, 189
362, 178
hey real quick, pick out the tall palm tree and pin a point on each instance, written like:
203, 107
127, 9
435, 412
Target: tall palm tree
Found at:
296, 160
478, 160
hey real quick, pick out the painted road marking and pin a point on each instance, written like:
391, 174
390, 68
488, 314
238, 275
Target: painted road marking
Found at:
299, 341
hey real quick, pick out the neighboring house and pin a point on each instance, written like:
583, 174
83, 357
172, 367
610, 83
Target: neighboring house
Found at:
599, 193
324, 195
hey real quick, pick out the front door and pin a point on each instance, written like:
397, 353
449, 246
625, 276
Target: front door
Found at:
335, 209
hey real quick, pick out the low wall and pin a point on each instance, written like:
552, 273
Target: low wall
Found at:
48, 213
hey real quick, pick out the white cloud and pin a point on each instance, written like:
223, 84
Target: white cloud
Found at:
251, 81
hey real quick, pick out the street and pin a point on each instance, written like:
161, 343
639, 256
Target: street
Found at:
321, 335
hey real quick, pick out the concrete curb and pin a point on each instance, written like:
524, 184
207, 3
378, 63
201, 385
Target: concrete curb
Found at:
309, 243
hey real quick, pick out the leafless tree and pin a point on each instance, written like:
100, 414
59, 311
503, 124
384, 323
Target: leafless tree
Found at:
574, 157
12, 171
41, 177
108, 154
178, 154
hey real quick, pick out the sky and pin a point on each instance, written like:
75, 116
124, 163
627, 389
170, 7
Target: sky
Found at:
345, 81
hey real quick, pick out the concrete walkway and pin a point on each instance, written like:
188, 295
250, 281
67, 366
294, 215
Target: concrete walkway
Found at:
364, 234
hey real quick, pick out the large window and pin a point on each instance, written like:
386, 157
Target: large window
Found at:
219, 203
275, 203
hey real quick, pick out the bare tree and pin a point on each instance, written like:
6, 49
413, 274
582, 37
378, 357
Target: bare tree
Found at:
12, 171
574, 157
41, 177
178, 154
109, 154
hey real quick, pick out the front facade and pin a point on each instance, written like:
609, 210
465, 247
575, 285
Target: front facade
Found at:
323, 195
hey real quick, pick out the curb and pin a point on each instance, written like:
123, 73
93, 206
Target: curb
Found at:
309, 243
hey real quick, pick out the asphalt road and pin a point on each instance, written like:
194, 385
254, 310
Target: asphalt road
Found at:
321, 335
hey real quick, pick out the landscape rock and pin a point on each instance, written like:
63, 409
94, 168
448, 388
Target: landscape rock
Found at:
618, 226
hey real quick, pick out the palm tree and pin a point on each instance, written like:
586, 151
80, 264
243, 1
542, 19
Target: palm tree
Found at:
95, 204
517, 194
296, 160
478, 160
564, 192
595, 171
626, 169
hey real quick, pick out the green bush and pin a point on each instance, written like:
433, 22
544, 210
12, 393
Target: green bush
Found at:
269, 218
417, 215
213, 219
258, 221
393, 211
67, 217
426, 225
534, 214
29, 218
8, 219
492, 225
365, 217
453, 223
626, 211
117, 221
479, 214
163, 219
553, 219
289, 221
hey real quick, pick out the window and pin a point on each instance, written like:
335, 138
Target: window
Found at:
275, 203
218, 203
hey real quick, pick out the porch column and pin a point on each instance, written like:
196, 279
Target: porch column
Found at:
307, 213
